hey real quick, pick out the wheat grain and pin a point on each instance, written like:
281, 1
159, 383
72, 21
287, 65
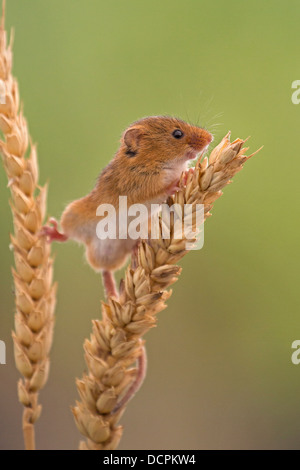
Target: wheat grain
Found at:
115, 343
35, 293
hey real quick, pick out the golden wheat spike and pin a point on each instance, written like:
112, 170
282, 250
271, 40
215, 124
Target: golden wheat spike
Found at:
35, 293
115, 342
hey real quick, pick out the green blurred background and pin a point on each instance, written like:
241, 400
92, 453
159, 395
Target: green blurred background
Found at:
220, 372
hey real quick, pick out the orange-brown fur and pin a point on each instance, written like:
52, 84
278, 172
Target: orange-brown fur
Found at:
146, 169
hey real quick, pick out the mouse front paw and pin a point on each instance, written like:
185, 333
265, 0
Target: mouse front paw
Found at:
51, 232
173, 188
185, 176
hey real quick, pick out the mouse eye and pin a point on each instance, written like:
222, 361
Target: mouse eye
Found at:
178, 134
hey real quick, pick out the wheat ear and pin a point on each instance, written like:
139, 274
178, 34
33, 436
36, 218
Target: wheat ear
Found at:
115, 343
35, 293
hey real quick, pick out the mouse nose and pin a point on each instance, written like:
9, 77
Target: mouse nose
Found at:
200, 139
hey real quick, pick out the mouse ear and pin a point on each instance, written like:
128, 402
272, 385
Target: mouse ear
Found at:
131, 139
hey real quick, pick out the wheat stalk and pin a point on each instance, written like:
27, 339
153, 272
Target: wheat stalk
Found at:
115, 343
35, 293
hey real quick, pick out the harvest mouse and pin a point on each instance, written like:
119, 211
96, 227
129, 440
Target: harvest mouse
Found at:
154, 152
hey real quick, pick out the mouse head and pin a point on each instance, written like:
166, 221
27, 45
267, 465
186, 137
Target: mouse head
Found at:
162, 138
